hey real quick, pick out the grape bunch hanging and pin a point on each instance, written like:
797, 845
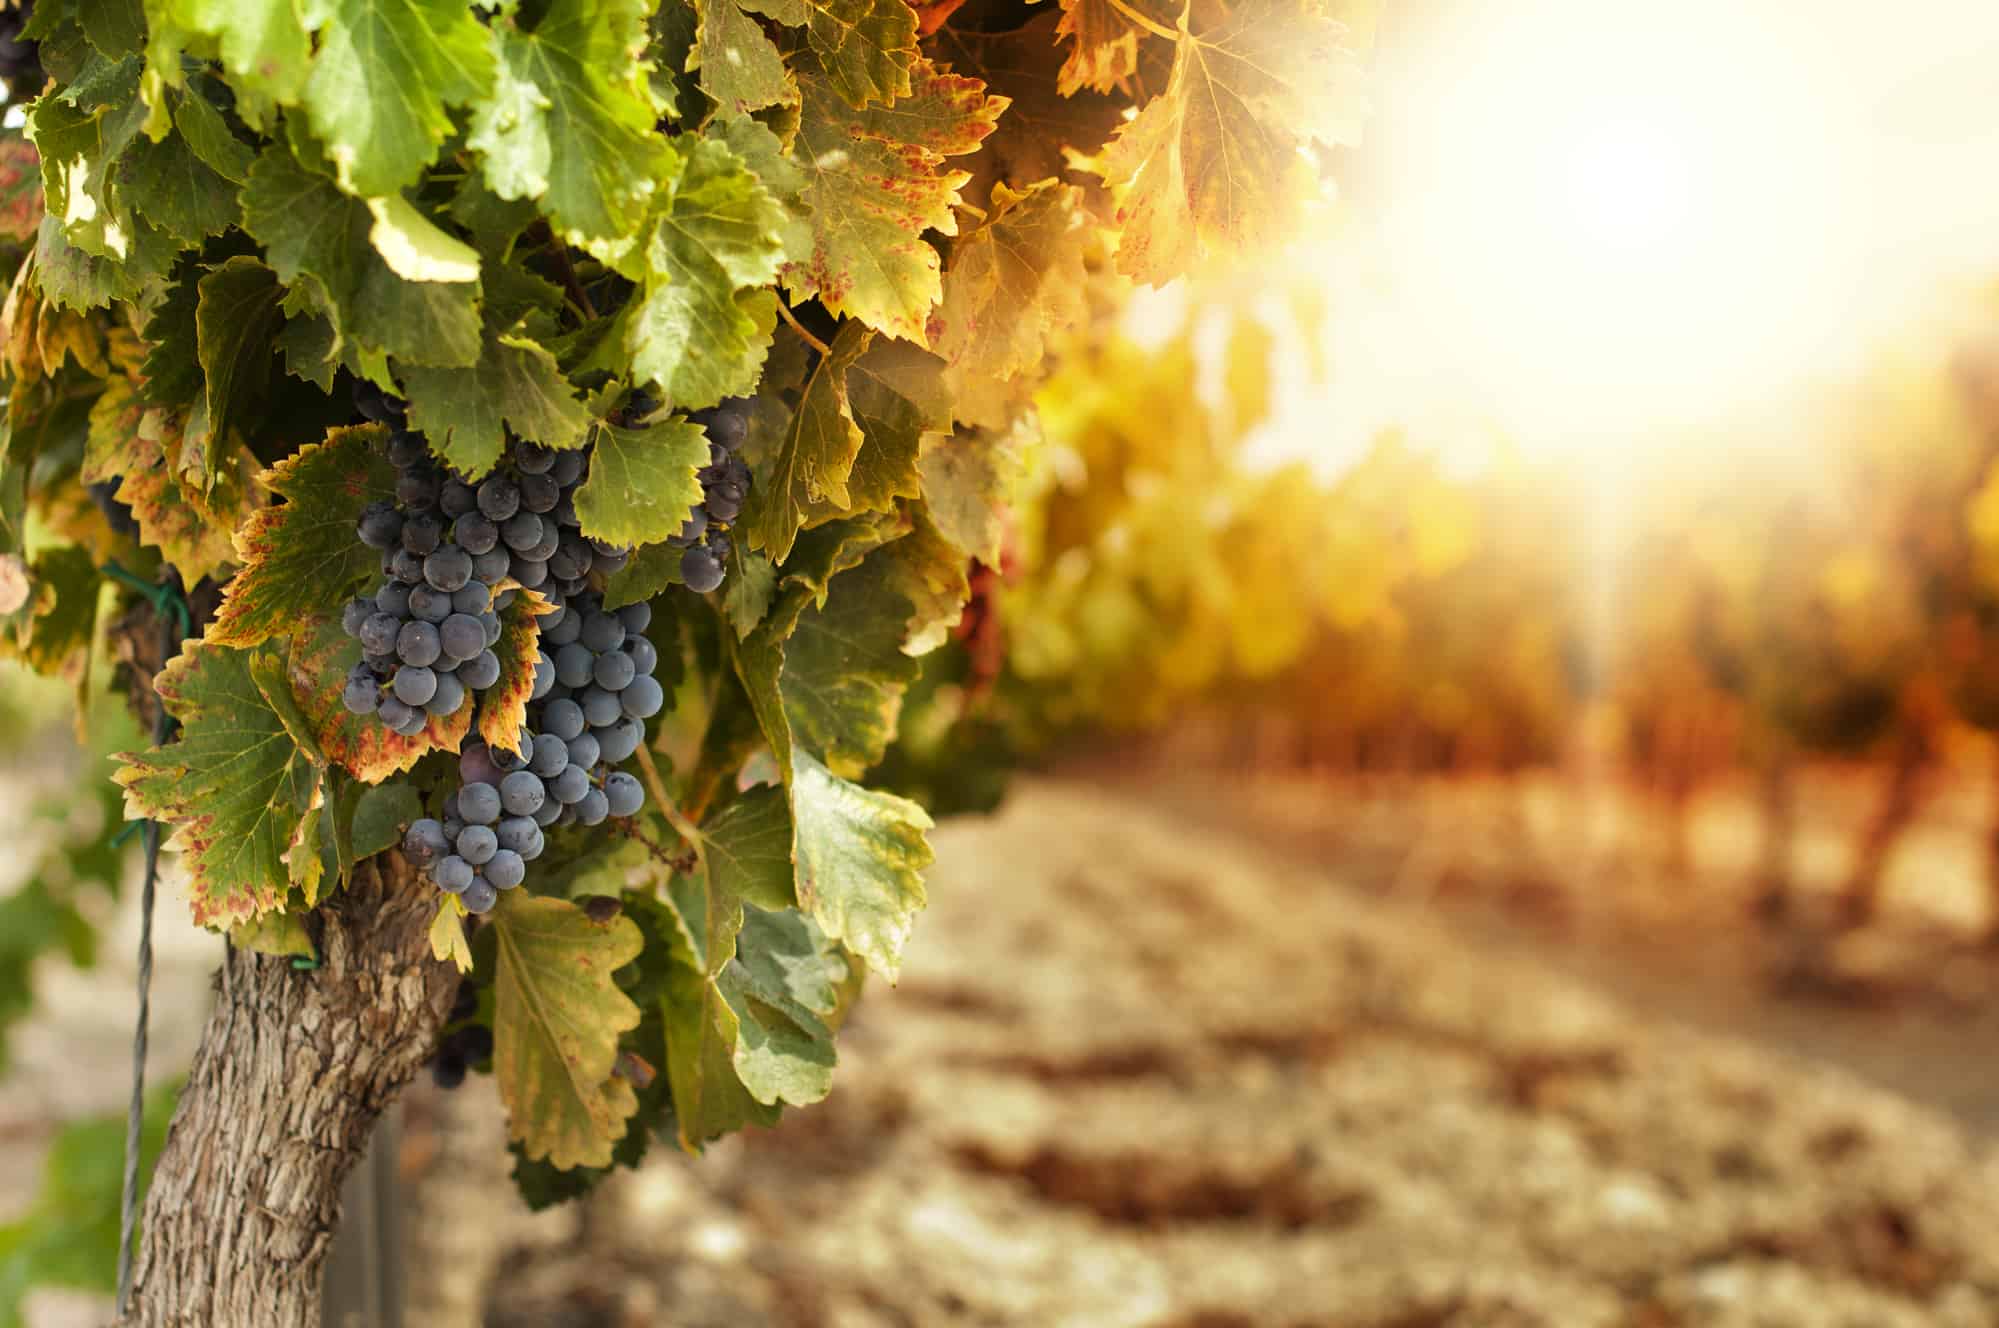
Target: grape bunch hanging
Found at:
428, 632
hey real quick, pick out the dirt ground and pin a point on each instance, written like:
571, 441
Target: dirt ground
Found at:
1175, 1054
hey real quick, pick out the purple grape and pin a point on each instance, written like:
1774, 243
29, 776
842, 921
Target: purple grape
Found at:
477, 844
462, 636
479, 897
417, 643
424, 842
361, 693
448, 569
478, 804
452, 873
415, 684
521, 793
481, 671
380, 526
378, 633
642, 697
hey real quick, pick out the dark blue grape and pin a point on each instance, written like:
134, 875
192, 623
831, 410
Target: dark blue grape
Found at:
570, 785
362, 692
407, 567
393, 599
636, 617
477, 843
462, 636
619, 740
529, 574
354, 613
448, 569
378, 633
415, 684
474, 597
508, 760
429, 604
550, 755
601, 708
544, 548
376, 405
499, 497
479, 897
481, 671
406, 449
539, 493
417, 643
544, 676
642, 698
452, 873
567, 467
492, 566
449, 696
614, 670
533, 458
549, 811
593, 807
380, 526
456, 498
573, 665
521, 793
563, 630
474, 533
691, 530
506, 869
584, 750
563, 718
422, 532
644, 657
515, 832
700, 569
489, 623
416, 490
395, 714
424, 842
476, 765
624, 793
602, 631
723, 504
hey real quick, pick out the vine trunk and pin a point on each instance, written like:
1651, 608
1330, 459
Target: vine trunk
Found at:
293, 1069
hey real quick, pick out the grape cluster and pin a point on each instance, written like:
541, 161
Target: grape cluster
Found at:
725, 483
587, 713
428, 630
464, 1044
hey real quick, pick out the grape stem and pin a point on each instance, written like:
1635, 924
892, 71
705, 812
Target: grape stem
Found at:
657, 787
799, 328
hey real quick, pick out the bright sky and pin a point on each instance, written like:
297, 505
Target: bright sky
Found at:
1597, 224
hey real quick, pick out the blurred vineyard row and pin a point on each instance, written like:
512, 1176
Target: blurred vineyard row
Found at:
1189, 550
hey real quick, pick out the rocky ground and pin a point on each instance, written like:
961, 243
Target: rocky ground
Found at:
1183, 1058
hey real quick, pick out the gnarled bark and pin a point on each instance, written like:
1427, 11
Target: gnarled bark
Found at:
292, 1072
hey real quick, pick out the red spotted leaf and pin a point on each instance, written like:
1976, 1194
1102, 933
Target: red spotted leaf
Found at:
301, 558
20, 188
503, 707
321, 656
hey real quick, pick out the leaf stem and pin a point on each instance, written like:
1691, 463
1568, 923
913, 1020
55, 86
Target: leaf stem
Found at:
1152, 26
569, 281
799, 328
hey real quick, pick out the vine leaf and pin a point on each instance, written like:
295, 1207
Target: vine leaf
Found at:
1213, 163
516, 384
968, 484
301, 557
1106, 46
317, 239
860, 855
739, 66
704, 324
897, 395
815, 455
828, 678
786, 987
447, 932
570, 119
747, 848
503, 709
235, 321
321, 656
866, 47
140, 447
875, 181
48, 609
264, 43
236, 781
642, 483
556, 1019
1013, 284
20, 188
383, 79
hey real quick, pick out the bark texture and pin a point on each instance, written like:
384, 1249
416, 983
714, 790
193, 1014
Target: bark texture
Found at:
292, 1072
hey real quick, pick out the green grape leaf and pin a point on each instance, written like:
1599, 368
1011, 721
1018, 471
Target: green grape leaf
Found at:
1012, 285
875, 183
557, 1015
747, 848
383, 80
281, 934
235, 322
709, 1099
751, 586
503, 707
50, 615
264, 43
170, 185
20, 188
642, 483
321, 656
704, 324
813, 458
739, 66
969, 481
650, 570
896, 394
867, 48
301, 558
82, 132
934, 575
861, 855
569, 122
380, 814
784, 985
209, 137
1213, 164
317, 239
763, 152
828, 678
236, 782
447, 932
74, 279
516, 384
